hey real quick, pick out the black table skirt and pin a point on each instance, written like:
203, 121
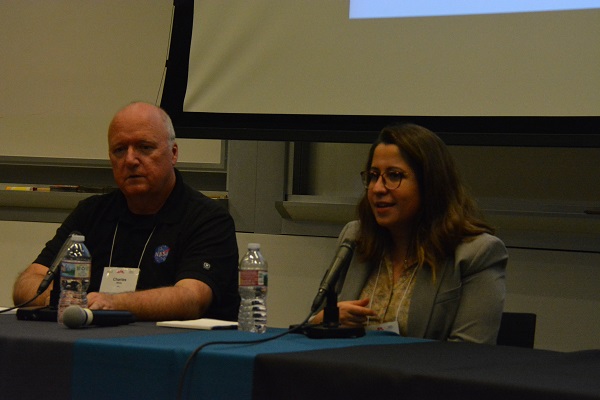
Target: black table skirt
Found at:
38, 357
435, 370
44, 354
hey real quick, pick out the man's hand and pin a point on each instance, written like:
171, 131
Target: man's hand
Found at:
100, 301
188, 299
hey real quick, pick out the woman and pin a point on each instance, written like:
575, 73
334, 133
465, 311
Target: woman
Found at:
426, 264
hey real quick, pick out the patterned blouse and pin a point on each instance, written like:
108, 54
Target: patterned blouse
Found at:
389, 299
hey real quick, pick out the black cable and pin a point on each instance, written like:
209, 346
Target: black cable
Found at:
188, 363
20, 305
162, 78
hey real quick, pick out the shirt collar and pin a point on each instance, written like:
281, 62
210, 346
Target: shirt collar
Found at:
171, 212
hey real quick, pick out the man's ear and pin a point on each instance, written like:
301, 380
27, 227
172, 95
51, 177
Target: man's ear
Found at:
175, 151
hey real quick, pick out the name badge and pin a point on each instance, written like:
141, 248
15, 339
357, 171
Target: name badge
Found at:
119, 280
386, 326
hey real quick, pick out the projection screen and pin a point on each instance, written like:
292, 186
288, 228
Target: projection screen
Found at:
477, 72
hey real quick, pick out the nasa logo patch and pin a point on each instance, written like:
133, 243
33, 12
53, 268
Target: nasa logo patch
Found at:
161, 253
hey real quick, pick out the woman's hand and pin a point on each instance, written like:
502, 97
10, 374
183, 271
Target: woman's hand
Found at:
354, 313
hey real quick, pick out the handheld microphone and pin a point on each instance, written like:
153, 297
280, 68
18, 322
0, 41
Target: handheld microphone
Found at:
339, 266
77, 317
54, 267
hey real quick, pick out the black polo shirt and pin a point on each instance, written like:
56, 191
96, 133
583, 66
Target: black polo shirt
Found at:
191, 237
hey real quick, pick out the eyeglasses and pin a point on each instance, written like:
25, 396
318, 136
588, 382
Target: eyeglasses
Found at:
391, 179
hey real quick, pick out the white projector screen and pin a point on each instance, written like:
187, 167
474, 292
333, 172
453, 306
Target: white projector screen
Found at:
437, 8
340, 70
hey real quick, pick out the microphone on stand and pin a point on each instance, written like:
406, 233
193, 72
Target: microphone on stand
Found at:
330, 285
56, 263
77, 317
49, 312
339, 267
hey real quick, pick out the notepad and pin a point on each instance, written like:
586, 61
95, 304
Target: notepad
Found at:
202, 323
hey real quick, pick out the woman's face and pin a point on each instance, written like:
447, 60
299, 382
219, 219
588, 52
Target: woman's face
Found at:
394, 209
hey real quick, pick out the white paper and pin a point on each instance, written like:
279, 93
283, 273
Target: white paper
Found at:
202, 323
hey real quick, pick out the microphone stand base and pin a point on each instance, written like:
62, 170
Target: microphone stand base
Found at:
37, 314
328, 332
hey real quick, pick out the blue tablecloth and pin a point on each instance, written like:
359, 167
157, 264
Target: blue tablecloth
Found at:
150, 367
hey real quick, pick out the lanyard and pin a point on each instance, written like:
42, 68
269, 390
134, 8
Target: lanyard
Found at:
403, 295
143, 251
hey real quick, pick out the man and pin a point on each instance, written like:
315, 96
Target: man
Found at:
180, 243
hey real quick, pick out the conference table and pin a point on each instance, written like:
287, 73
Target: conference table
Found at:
141, 360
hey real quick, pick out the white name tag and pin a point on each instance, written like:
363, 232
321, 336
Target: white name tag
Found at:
386, 326
119, 280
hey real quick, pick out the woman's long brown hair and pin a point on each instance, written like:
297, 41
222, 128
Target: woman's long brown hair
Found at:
448, 214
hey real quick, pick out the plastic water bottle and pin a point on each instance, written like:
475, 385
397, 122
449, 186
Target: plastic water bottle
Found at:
253, 291
75, 272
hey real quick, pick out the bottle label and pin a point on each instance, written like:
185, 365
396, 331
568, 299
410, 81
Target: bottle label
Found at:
253, 278
75, 269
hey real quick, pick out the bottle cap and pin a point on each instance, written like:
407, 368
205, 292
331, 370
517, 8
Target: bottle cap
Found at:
253, 246
78, 238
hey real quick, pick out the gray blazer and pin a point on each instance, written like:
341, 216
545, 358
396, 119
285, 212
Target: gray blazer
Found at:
463, 303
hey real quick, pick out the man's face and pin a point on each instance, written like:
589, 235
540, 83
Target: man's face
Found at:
141, 157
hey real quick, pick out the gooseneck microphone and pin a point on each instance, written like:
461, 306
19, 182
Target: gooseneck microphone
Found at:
338, 268
77, 317
330, 285
55, 264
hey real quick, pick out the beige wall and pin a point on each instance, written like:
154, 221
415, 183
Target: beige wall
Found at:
69, 65
560, 287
